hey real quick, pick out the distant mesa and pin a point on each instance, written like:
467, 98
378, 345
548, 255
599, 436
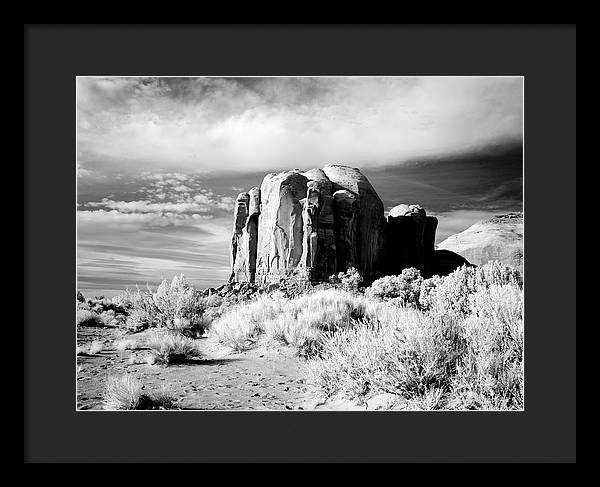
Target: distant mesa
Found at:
499, 238
309, 225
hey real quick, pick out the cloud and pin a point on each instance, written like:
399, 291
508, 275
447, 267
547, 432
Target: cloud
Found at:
145, 206
250, 124
114, 217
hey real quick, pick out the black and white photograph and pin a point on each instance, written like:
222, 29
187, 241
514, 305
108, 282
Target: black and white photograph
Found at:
299, 243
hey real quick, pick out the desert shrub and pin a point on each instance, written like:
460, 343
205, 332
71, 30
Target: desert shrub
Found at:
170, 349
349, 280
239, 327
125, 392
175, 305
139, 319
161, 398
138, 308
490, 375
403, 289
113, 319
401, 351
495, 273
469, 357
138, 299
450, 294
176, 299
428, 290
297, 322
88, 318
122, 392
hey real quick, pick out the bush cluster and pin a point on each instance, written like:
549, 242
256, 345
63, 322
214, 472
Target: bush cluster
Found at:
453, 342
349, 280
175, 305
459, 345
403, 289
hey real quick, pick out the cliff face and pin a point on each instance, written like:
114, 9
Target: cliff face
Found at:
410, 240
499, 238
310, 225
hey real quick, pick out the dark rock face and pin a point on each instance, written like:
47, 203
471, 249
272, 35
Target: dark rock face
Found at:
245, 236
410, 240
319, 249
369, 240
310, 225
345, 229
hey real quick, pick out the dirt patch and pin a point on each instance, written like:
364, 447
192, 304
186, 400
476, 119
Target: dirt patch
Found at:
266, 378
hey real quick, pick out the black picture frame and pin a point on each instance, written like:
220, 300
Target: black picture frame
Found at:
544, 54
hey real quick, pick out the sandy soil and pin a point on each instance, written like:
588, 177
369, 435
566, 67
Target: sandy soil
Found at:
265, 378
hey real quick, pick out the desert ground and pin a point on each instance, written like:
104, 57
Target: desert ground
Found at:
263, 378
403, 342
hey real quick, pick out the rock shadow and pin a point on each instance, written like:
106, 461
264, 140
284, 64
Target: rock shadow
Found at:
445, 262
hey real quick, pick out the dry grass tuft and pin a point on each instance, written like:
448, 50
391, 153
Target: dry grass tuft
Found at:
85, 317
125, 392
170, 349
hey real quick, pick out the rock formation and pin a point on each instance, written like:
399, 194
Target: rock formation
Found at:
410, 240
367, 239
310, 225
280, 225
499, 238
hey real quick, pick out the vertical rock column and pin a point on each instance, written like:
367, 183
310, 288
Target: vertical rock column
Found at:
319, 249
280, 226
240, 215
245, 237
346, 228
252, 232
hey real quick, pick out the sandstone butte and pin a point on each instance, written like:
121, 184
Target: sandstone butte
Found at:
307, 226
310, 225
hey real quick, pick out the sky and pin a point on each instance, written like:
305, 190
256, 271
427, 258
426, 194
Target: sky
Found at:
161, 160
